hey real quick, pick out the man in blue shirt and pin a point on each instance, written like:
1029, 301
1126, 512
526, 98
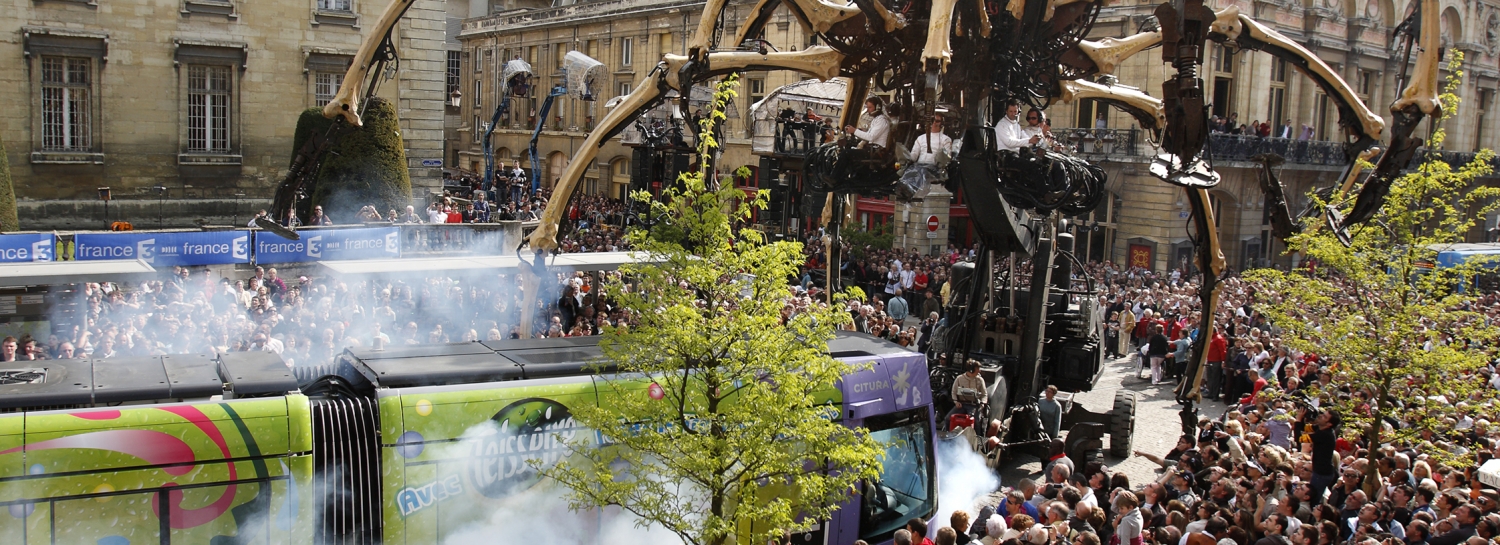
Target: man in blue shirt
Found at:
897, 307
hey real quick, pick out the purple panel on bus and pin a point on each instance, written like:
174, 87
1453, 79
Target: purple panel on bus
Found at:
896, 382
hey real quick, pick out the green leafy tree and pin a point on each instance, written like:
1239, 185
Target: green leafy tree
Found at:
8, 219
860, 240
739, 405
1402, 338
366, 166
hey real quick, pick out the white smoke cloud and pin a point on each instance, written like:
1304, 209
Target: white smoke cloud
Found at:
962, 479
539, 513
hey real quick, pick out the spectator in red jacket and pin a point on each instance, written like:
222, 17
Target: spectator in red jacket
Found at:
1218, 349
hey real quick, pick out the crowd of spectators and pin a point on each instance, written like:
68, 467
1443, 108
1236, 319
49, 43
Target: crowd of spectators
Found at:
1275, 467
309, 321
1231, 124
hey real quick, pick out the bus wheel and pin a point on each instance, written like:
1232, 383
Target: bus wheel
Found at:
1122, 424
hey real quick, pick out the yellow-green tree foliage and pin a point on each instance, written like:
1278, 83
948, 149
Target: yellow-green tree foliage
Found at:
1404, 339
365, 167
8, 219
743, 402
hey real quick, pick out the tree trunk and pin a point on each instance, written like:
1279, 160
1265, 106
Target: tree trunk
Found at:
1371, 484
8, 219
716, 508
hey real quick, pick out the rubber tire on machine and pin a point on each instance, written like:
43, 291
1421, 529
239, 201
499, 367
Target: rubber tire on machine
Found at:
999, 404
1122, 424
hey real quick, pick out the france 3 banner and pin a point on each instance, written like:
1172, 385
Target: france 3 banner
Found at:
165, 249
329, 244
26, 248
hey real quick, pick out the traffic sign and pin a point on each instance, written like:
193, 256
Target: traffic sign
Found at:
932, 223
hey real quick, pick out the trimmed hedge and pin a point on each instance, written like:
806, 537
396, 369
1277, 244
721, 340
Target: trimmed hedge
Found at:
8, 219
366, 167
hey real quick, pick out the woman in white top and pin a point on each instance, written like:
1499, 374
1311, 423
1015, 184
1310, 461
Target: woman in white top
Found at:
1038, 127
927, 146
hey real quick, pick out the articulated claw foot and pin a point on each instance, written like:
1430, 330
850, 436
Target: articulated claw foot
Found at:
1340, 231
1195, 173
1281, 216
544, 238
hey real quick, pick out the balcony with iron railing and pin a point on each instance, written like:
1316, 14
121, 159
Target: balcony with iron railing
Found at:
1091, 142
1131, 145
1241, 147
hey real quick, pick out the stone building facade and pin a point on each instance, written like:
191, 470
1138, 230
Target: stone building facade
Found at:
190, 105
629, 37
1143, 219
1149, 218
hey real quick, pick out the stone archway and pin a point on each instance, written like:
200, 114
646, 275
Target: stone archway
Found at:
1453, 28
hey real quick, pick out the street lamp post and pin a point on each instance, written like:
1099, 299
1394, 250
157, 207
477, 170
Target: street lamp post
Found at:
105, 196
161, 205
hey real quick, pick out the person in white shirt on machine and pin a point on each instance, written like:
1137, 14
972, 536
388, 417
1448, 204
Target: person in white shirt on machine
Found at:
878, 135
924, 170
1008, 132
929, 145
1038, 126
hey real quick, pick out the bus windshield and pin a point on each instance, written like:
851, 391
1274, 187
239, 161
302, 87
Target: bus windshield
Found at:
905, 488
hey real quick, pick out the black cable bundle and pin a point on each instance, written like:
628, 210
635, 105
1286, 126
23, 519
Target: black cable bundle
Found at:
1047, 181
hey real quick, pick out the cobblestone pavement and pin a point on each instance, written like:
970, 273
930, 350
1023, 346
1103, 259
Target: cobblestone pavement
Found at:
1157, 424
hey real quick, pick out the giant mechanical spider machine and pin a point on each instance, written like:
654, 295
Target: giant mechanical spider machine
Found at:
1031, 52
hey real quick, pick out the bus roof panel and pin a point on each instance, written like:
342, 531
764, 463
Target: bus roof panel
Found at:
256, 373
49, 383
193, 375
130, 379
849, 344
438, 370
420, 351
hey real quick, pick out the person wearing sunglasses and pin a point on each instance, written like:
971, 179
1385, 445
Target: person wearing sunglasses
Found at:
1038, 130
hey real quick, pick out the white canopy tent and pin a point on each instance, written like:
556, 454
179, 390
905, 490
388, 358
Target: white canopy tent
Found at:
825, 98
701, 97
499, 264
50, 273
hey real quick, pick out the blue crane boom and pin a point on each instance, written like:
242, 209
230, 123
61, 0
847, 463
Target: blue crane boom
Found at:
541, 120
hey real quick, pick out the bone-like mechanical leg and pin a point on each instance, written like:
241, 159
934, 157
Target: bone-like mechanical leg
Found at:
1145, 108
1422, 92
1230, 26
1215, 263
819, 15
1239, 29
1017, 8
1109, 53
819, 61
938, 51
345, 103
1418, 100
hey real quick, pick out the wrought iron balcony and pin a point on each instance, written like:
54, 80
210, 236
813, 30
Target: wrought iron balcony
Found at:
1239, 147
1455, 159
1101, 141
